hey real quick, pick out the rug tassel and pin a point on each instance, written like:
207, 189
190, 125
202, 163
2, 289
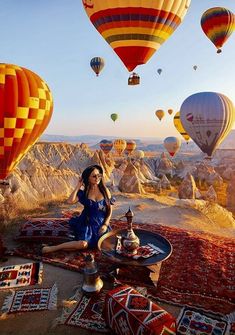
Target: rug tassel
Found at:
53, 301
7, 303
231, 317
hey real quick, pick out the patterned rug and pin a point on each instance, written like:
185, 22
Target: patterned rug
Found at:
20, 275
37, 299
192, 322
199, 273
86, 313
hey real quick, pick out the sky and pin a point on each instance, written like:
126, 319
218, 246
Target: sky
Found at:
55, 39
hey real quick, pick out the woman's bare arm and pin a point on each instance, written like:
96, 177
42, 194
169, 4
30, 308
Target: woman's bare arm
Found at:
73, 196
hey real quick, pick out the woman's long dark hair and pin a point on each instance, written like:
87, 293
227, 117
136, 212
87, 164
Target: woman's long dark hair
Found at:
103, 189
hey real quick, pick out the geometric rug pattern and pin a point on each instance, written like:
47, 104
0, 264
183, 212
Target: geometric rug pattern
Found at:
196, 323
20, 275
36, 299
199, 273
86, 313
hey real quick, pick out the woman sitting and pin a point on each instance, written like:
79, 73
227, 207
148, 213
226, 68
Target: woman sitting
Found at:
94, 220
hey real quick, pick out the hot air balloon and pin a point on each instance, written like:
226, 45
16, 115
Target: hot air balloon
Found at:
97, 64
130, 147
218, 23
160, 114
106, 146
138, 154
135, 29
172, 145
119, 146
178, 125
208, 118
170, 111
195, 67
159, 71
114, 117
26, 107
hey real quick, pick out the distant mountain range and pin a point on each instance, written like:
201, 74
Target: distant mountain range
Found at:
143, 143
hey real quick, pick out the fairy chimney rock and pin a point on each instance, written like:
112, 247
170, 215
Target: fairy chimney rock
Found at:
129, 182
187, 189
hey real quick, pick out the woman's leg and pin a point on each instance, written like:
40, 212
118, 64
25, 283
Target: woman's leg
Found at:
72, 245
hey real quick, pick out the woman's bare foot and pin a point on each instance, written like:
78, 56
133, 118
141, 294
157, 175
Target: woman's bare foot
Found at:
46, 250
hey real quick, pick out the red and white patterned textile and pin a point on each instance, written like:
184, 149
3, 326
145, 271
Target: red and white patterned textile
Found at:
54, 230
129, 312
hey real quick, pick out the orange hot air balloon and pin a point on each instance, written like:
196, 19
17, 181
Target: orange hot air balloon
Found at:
135, 29
170, 111
160, 114
130, 147
26, 107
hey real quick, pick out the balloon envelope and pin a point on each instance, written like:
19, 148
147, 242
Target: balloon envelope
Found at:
172, 145
97, 64
159, 71
195, 67
160, 114
218, 23
114, 117
119, 146
135, 29
170, 111
208, 118
138, 154
178, 125
26, 107
130, 146
106, 146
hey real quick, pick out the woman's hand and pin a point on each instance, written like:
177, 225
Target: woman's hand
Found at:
103, 229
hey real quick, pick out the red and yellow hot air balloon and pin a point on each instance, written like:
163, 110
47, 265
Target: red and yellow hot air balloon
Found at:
119, 146
218, 23
135, 29
106, 146
26, 107
130, 147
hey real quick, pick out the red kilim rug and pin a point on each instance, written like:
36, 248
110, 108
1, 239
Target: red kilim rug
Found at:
86, 313
200, 271
37, 299
20, 275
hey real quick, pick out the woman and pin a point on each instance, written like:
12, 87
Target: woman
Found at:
94, 220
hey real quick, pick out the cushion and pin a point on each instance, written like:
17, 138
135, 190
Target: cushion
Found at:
45, 230
127, 311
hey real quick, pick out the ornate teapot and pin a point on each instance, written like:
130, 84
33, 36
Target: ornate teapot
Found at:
129, 240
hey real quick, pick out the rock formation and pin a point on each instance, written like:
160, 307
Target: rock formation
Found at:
129, 182
187, 188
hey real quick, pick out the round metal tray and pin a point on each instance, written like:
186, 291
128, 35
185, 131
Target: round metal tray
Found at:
107, 245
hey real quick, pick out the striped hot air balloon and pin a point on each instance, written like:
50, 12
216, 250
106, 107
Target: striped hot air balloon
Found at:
130, 147
106, 146
178, 125
119, 146
208, 118
97, 64
172, 144
26, 107
218, 23
135, 29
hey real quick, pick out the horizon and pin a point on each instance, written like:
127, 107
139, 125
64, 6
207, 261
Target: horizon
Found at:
61, 50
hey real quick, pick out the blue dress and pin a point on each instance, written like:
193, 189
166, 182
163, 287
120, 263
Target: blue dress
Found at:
86, 226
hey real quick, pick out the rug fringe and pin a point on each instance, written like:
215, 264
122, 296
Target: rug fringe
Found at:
53, 298
230, 317
7, 304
